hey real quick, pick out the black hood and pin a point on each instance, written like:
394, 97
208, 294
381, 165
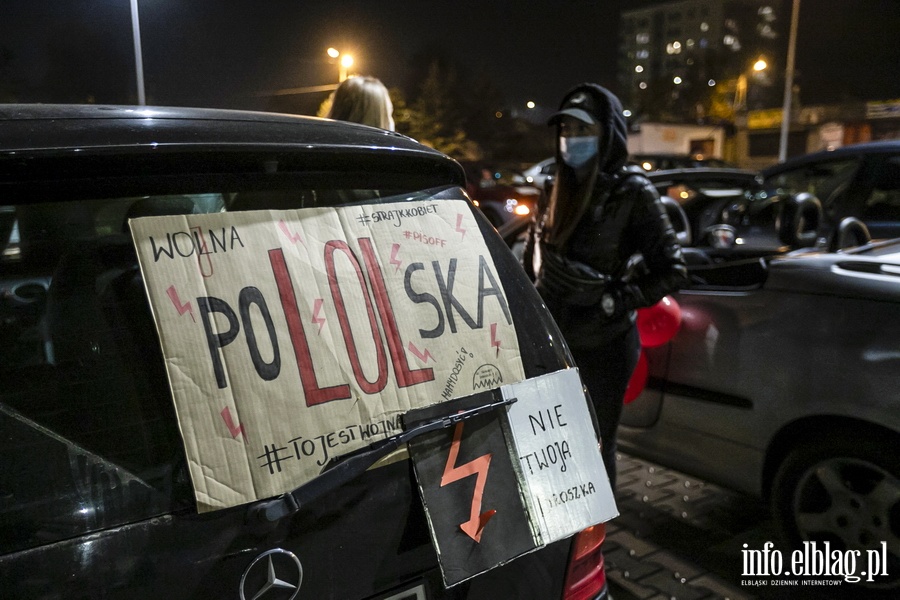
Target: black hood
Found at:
573, 192
604, 108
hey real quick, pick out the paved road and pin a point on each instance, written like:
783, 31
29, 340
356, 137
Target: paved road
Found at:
678, 538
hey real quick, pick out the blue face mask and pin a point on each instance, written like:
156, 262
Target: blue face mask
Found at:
577, 151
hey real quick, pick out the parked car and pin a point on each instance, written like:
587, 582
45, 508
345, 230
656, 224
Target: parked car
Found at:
860, 181
782, 379
538, 173
662, 161
499, 193
97, 500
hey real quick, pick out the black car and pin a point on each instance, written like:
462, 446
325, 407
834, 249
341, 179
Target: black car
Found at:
96, 494
861, 181
665, 162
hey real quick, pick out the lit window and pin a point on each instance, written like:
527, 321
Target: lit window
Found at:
711, 83
643, 53
643, 38
729, 40
673, 48
643, 85
704, 26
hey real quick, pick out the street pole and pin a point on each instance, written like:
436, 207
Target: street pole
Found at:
788, 84
138, 58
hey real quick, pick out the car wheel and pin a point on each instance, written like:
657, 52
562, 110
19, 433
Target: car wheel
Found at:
845, 491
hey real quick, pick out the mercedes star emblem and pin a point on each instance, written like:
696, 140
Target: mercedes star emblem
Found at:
273, 570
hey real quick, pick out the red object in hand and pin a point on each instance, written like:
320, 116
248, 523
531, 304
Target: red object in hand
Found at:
659, 323
638, 379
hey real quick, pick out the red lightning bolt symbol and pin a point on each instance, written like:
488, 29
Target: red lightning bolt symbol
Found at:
474, 527
419, 354
394, 260
317, 306
294, 237
229, 423
459, 226
494, 340
181, 308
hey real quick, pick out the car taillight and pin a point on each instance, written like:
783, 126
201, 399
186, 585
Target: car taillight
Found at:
586, 576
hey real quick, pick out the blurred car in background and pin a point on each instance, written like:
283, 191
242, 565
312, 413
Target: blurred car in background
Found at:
96, 493
661, 162
538, 173
861, 181
499, 192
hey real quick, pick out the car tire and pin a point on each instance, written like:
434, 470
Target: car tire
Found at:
844, 490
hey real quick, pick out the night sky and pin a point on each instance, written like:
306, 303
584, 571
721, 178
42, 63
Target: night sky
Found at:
224, 52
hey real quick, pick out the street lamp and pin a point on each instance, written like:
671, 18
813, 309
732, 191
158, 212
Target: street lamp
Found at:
138, 58
345, 61
740, 94
788, 84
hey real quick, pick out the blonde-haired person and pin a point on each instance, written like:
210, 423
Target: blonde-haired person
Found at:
365, 100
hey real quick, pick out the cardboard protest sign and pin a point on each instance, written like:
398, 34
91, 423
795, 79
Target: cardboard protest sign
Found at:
292, 337
507, 483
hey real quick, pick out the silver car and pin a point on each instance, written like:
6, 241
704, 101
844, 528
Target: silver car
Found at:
783, 382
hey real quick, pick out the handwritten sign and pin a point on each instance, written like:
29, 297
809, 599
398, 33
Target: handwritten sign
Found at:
559, 456
292, 337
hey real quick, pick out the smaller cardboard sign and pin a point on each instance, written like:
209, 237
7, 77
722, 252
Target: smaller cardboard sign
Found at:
504, 484
469, 486
559, 456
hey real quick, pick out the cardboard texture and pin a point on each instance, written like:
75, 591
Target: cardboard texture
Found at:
292, 337
504, 484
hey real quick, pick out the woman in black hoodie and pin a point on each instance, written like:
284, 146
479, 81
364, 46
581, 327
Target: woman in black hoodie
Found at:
602, 247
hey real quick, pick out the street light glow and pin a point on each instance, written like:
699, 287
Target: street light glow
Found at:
344, 63
760, 65
530, 104
677, 81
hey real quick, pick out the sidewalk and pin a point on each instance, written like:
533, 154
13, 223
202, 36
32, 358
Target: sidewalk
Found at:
678, 538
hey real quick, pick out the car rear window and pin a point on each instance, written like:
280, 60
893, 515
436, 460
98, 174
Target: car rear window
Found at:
88, 432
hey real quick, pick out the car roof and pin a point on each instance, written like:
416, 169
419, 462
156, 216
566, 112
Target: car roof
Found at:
36, 126
115, 138
883, 146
